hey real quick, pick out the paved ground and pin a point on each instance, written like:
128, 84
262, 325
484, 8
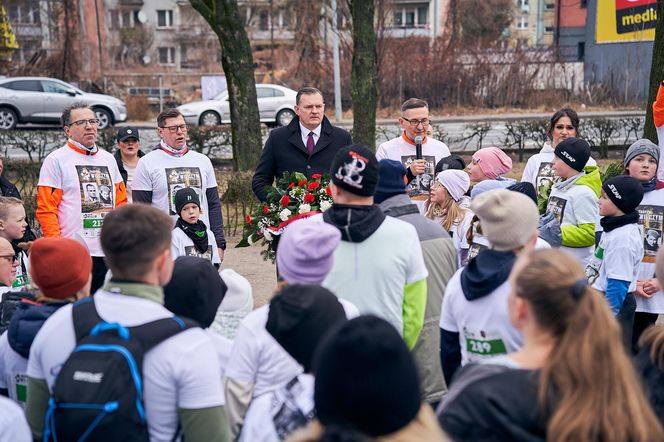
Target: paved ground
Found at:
248, 262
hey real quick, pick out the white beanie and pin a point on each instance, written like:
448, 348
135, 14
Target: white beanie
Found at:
509, 219
237, 303
455, 181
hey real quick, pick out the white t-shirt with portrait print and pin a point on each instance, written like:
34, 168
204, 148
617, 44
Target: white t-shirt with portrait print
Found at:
617, 256
651, 218
164, 174
182, 245
13, 369
181, 372
88, 191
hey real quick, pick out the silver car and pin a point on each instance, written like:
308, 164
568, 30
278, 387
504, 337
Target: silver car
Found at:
42, 100
275, 105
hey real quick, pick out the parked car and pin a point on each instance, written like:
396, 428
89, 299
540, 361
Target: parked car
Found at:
42, 100
275, 105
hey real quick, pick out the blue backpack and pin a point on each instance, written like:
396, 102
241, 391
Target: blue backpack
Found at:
98, 393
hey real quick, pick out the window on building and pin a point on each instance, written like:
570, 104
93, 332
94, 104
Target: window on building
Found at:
286, 18
549, 6
127, 19
548, 29
522, 22
522, 5
114, 18
411, 16
264, 20
581, 50
166, 55
584, 3
165, 18
26, 12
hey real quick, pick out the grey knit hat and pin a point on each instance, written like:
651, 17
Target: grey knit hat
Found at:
641, 146
509, 219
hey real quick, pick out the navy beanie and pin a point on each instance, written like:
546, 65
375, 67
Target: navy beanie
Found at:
624, 191
185, 196
526, 188
391, 182
575, 152
450, 162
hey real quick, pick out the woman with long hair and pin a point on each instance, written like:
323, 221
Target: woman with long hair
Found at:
571, 380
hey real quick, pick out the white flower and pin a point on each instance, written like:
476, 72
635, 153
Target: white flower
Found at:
267, 235
304, 208
284, 214
324, 205
250, 239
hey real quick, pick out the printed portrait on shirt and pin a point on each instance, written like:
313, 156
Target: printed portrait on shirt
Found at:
651, 219
96, 188
180, 177
192, 251
418, 189
557, 207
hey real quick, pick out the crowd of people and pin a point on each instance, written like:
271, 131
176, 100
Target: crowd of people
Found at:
433, 301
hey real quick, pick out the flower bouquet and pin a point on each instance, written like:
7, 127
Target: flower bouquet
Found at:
294, 197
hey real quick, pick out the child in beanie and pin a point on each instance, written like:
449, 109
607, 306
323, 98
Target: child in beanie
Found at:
69, 283
474, 319
12, 228
237, 304
191, 237
571, 213
641, 162
614, 268
444, 206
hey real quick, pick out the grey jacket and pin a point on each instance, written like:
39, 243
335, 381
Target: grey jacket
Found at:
440, 259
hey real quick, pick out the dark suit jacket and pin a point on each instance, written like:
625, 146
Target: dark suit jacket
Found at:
285, 152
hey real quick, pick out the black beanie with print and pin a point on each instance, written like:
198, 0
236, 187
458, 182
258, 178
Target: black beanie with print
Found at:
355, 169
624, 191
366, 378
575, 152
185, 196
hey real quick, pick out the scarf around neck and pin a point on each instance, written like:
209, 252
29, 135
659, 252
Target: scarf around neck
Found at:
81, 148
196, 232
609, 223
653, 184
172, 150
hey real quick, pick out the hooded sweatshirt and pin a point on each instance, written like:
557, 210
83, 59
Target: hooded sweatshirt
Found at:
475, 322
379, 267
15, 345
574, 202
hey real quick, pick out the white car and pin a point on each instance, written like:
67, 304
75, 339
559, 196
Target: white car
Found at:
275, 105
42, 100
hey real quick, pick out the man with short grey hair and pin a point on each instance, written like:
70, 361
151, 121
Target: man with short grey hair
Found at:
307, 145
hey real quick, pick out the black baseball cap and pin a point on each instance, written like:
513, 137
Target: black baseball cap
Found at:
127, 132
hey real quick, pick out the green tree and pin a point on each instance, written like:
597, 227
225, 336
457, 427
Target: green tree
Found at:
656, 73
224, 18
364, 76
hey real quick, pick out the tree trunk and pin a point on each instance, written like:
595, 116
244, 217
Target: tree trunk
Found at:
656, 73
364, 82
238, 63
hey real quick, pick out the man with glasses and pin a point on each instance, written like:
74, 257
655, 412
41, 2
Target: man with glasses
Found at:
414, 122
307, 145
8, 264
172, 166
63, 200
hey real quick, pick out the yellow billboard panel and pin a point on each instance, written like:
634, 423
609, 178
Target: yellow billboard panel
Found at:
625, 20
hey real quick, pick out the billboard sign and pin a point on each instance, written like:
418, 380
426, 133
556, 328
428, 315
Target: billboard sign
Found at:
626, 20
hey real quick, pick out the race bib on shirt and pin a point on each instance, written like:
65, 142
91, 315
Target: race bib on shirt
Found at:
651, 218
180, 177
557, 207
484, 344
97, 198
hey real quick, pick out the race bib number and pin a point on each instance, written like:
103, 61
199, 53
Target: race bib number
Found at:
484, 344
92, 225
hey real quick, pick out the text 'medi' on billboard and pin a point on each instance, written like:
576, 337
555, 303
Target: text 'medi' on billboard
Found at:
626, 20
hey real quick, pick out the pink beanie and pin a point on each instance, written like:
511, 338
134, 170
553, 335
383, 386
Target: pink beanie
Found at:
493, 162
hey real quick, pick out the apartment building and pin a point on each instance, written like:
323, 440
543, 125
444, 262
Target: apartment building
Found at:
534, 23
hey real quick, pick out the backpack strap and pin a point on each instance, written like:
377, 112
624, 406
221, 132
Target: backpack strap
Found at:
85, 316
155, 332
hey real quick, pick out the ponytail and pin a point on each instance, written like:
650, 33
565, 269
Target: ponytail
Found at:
588, 384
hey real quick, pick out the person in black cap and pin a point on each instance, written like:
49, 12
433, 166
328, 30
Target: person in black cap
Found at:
127, 154
451, 162
299, 317
614, 269
378, 265
191, 237
367, 386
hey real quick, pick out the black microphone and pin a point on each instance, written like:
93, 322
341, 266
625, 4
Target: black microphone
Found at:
418, 146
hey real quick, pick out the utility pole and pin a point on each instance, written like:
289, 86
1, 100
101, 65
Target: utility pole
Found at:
337, 69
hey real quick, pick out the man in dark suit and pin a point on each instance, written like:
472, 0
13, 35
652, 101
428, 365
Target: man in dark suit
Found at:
308, 144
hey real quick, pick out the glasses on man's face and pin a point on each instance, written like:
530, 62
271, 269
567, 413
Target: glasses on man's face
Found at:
11, 258
415, 122
91, 122
174, 129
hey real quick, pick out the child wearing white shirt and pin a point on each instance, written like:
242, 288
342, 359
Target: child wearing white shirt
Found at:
191, 237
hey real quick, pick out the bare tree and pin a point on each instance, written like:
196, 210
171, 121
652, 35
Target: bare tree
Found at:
223, 16
364, 75
656, 70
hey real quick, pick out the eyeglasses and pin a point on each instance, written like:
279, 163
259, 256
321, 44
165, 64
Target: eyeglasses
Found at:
414, 122
91, 122
11, 258
174, 129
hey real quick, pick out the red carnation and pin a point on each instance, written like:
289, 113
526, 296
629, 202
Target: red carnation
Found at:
248, 220
316, 176
328, 191
285, 200
265, 210
302, 183
290, 186
313, 186
309, 198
